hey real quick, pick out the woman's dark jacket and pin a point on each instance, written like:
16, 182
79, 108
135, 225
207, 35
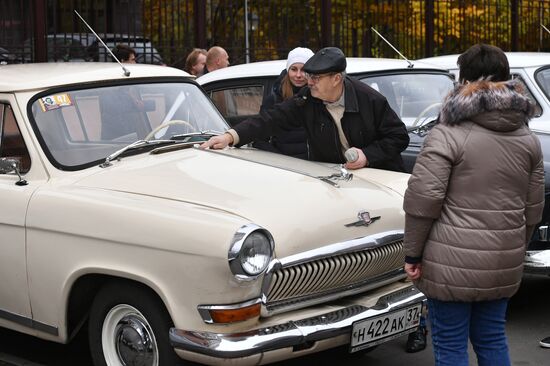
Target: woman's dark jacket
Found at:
368, 124
292, 142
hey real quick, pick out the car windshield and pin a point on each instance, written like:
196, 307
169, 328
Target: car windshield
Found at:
79, 128
415, 97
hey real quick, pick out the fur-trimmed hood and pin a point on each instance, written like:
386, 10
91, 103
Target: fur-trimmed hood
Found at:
499, 106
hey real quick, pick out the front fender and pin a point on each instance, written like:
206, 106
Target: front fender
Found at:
177, 249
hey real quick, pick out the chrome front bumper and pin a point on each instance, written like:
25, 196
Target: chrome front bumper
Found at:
537, 262
300, 333
537, 257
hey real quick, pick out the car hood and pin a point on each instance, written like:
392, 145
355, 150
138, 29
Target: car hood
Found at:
279, 193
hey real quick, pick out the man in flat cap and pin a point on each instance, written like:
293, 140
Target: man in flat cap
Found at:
338, 113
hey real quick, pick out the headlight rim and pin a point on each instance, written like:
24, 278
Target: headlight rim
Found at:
236, 246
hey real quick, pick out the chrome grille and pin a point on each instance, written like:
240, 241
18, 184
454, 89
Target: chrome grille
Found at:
333, 273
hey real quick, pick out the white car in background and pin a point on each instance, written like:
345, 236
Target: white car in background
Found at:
413, 90
531, 68
113, 217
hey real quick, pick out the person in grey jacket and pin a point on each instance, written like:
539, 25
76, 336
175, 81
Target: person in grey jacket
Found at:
473, 199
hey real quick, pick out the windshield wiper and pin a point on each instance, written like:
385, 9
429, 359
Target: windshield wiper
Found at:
422, 130
134, 145
186, 136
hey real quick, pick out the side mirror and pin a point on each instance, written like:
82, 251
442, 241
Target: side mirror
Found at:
8, 165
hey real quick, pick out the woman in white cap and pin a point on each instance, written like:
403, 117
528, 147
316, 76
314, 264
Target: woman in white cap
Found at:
290, 81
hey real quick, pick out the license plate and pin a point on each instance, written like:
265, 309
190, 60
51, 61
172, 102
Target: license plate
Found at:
370, 332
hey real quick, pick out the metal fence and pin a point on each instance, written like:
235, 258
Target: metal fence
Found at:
167, 30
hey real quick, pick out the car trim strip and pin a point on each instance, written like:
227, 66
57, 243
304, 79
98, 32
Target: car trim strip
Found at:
355, 245
28, 322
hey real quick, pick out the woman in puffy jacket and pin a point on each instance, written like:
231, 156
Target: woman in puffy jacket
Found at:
292, 142
473, 200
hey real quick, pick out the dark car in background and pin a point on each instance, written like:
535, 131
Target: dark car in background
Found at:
63, 47
7, 57
414, 92
146, 52
85, 47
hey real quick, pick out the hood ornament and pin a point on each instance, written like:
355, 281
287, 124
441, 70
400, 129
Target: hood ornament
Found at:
344, 174
364, 219
332, 179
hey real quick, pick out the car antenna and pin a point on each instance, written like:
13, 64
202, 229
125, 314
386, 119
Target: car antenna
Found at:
126, 72
411, 65
546, 29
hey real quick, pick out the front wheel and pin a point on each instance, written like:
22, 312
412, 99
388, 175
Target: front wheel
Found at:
129, 327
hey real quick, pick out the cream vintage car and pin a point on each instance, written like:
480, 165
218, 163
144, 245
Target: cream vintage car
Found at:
114, 220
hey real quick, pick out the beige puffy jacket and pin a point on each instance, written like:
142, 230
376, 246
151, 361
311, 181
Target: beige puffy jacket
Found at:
476, 190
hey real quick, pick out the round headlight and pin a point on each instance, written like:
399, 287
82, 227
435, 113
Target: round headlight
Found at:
250, 252
255, 253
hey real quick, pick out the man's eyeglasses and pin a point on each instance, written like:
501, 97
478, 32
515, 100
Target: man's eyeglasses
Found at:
316, 77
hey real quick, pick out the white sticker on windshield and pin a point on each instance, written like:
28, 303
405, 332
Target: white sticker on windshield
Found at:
52, 102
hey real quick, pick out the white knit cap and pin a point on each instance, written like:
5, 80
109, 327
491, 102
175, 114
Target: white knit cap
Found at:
298, 55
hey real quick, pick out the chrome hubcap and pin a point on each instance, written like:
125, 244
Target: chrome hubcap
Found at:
128, 339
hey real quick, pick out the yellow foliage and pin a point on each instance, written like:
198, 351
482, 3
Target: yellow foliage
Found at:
456, 24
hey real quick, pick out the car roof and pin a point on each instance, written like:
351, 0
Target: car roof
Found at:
355, 65
515, 60
20, 77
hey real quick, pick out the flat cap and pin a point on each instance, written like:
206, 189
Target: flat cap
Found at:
328, 59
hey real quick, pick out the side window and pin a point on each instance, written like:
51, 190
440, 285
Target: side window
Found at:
11, 142
237, 102
538, 109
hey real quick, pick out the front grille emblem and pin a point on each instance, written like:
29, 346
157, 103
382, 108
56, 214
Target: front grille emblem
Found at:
364, 219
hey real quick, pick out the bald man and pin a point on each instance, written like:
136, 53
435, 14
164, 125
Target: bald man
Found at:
216, 58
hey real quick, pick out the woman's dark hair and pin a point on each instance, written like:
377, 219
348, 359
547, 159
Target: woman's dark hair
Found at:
123, 52
287, 91
483, 61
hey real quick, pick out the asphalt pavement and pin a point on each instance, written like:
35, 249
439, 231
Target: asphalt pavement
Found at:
9, 360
